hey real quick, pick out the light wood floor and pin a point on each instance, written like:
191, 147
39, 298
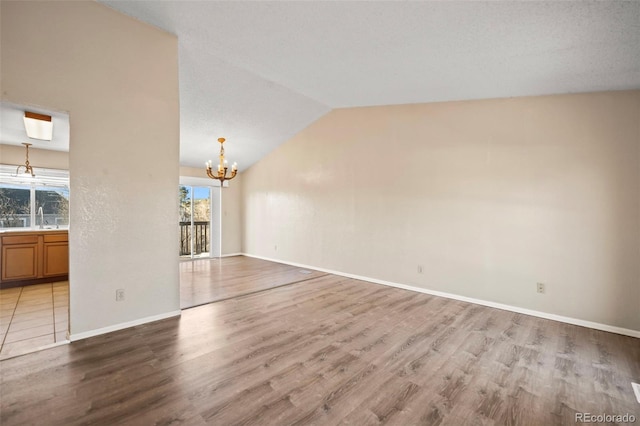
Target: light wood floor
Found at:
32, 317
328, 351
210, 280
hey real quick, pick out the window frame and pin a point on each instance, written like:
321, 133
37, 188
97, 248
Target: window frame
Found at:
45, 178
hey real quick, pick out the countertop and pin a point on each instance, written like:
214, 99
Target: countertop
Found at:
31, 231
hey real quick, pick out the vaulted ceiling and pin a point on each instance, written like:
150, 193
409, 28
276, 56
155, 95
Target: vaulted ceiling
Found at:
259, 72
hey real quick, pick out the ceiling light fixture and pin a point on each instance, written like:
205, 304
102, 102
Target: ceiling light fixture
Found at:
38, 126
221, 175
27, 167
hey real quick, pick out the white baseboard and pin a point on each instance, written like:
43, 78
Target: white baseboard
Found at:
91, 333
545, 315
231, 255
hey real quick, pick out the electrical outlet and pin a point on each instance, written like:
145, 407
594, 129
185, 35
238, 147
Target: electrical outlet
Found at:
540, 287
275, 248
120, 295
419, 269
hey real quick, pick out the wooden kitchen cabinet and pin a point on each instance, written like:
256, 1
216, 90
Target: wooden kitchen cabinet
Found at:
19, 257
56, 255
30, 257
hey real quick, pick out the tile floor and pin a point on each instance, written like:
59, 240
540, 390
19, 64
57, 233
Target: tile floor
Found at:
32, 317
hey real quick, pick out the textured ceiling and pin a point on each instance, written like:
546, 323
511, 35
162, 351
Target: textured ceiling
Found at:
259, 72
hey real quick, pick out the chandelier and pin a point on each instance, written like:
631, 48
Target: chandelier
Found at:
221, 174
28, 168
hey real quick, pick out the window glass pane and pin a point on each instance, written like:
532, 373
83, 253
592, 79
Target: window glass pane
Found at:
185, 203
14, 206
55, 207
201, 214
184, 200
202, 205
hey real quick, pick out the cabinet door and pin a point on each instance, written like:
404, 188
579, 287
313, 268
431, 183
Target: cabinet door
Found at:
19, 261
56, 259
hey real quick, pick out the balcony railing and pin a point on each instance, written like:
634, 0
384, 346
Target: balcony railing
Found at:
201, 238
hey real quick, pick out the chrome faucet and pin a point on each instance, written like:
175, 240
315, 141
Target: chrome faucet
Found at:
41, 214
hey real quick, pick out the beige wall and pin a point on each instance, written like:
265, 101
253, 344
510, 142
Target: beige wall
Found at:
232, 217
193, 172
488, 196
118, 80
231, 223
12, 154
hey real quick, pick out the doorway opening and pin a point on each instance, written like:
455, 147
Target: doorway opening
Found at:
34, 230
199, 222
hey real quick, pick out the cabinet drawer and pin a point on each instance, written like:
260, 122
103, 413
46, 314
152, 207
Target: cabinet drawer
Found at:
20, 239
56, 238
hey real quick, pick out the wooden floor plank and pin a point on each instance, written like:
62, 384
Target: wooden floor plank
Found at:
327, 350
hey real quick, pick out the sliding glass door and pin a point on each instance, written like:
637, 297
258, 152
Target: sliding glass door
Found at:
195, 221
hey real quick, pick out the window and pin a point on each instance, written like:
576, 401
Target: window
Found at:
40, 202
55, 206
15, 210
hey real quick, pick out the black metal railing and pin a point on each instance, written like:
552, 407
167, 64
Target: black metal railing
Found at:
200, 241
